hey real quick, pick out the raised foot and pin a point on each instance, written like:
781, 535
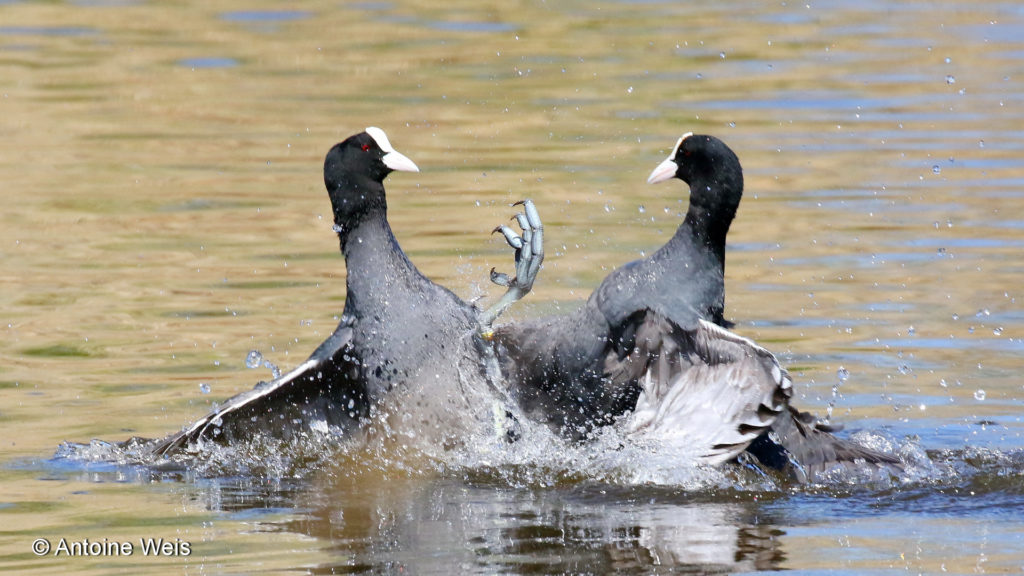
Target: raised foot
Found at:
529, 253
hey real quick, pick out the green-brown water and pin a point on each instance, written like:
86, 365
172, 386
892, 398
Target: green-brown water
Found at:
164, 213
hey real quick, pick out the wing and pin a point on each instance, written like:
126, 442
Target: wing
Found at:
807, 450
704, 387
323, 392
683, 283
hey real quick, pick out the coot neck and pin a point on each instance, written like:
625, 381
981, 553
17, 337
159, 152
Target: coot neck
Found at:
707, 220
373, 259
706, 228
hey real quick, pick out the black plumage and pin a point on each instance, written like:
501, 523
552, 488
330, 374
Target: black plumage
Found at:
650, 341
651, 345
406, 353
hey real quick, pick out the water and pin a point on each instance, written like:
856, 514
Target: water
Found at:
165, 215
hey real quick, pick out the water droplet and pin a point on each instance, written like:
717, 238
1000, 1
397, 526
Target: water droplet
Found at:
254, 359
950, 79
204, 387
948, 60
843, 374
979, 394
273, 368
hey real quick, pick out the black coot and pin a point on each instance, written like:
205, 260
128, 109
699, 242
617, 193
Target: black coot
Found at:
652, 342
407, 352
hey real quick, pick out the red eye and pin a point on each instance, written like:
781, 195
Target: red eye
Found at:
366, 147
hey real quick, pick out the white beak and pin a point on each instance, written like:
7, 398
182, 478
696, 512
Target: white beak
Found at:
392, 158
665, 171
398, 161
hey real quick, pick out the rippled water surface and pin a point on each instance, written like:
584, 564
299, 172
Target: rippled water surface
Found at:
164, 214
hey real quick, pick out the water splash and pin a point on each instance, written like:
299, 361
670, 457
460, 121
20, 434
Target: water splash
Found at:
528, 454
255, 359
540, 458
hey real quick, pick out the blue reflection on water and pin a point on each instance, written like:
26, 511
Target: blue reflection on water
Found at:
265, 15
47, 31
472, 26
208, 62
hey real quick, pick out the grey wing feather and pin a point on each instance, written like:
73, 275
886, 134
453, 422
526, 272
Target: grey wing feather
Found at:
812, 453
322, 391
704, 387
